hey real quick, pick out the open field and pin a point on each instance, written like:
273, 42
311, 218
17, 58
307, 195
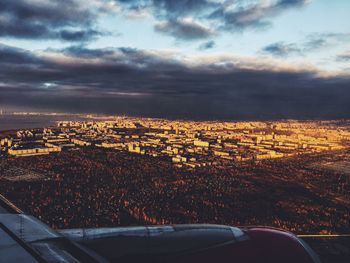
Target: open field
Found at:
20, 174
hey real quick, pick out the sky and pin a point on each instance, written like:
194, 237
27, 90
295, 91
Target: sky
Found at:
192, 59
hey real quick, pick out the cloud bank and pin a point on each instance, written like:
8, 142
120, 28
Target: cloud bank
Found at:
77, 20
68, 20
218, 16
169, 84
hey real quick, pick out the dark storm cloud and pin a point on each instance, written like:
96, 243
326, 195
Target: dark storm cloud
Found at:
226, 16
15, 55
315, 44
311, 43
207, 45
171, 8
79, 35
344, 57
281, 49
137, 82
184, 29
175, 8
321, 40
76, 20
253, 15
70, 20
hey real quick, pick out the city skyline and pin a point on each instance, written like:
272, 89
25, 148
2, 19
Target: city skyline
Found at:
203, 59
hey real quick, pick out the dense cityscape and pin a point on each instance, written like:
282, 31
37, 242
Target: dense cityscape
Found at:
122, 171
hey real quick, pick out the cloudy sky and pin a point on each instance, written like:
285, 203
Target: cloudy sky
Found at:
200, 59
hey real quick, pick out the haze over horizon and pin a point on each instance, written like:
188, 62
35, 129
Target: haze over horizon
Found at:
193, 59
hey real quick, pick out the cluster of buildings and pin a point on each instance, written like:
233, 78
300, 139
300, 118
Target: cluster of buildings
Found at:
186, 143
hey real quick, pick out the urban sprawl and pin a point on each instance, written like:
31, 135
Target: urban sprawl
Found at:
293, 175
186, 143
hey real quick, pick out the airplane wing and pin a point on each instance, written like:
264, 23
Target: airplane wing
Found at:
24, 238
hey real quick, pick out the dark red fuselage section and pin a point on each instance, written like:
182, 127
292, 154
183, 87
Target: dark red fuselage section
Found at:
194, 243
264, 245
